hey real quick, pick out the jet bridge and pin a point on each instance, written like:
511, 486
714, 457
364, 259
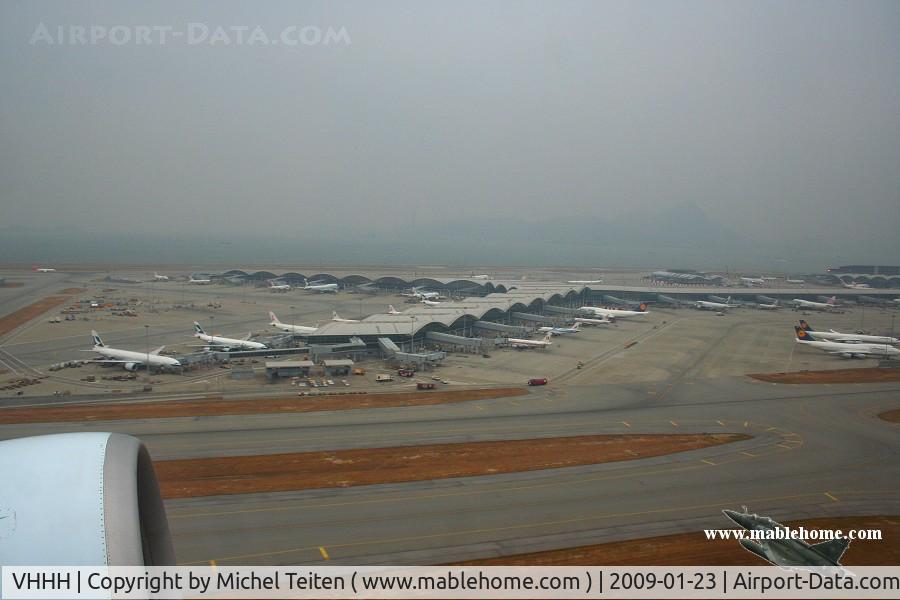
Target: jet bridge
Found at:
456, 340
393, 352
553, 321
562, 310
388, 346
507, 329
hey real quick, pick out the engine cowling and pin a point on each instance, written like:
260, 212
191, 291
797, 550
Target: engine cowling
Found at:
130, 366
81, 499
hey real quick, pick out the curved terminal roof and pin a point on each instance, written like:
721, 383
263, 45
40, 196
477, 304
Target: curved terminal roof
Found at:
429, 283
450, 315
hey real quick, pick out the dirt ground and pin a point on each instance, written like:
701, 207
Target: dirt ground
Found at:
218, 406
892, 416
306, 470
35, 309
873, 375
695, 549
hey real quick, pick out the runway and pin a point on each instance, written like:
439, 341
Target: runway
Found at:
816, 451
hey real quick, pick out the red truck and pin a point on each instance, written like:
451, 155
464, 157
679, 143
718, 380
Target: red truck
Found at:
406, 372
422, 385
538, 381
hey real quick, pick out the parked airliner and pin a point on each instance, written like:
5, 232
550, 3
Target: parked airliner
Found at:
337, 319
707, 305
43, 270
302, 329
322, 288
617, 313
129, 359
215, 341
810, 305
279, 287
837, 336
158, 277
393, 311
199, 281
523, 343
561, 330
586, 321
844, 349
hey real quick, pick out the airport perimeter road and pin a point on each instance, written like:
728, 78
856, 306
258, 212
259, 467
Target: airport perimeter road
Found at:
817, 450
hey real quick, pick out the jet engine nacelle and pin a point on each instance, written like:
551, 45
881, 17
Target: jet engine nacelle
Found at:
81, 499
131, 366
755, 549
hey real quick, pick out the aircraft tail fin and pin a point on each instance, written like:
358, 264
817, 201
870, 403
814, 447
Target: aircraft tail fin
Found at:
804, 325
197, 329
832, 301
158, 350
803, 335
95, 338
642, 307
548, 337
832, 550
334, 315
273, 318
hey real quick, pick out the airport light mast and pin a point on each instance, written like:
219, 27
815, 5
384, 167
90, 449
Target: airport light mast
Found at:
147, 336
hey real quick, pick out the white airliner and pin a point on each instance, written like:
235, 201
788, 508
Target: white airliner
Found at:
707, 305
522, 343
857, 286
431, 303
789, 280
303, 329
752, 281
158, 277
415, 293
199, 281
392, 310
585, 321
479, 277
337, 319
322, 288
844, 349
278, 287
561, 330
617, 313
43, 270
837, 336
773, 306
585, 281
809, 304
129, 359
224, 342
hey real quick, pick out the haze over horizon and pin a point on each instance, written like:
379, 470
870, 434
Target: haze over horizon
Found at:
761, 135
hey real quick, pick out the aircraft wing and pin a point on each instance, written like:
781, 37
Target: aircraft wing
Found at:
832, 550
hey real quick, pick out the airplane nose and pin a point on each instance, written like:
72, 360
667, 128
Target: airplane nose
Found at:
736, 517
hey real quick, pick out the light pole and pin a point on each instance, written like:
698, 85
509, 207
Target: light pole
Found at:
147, 336
293, 331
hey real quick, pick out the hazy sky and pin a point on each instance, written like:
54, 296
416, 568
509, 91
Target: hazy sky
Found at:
776, 118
